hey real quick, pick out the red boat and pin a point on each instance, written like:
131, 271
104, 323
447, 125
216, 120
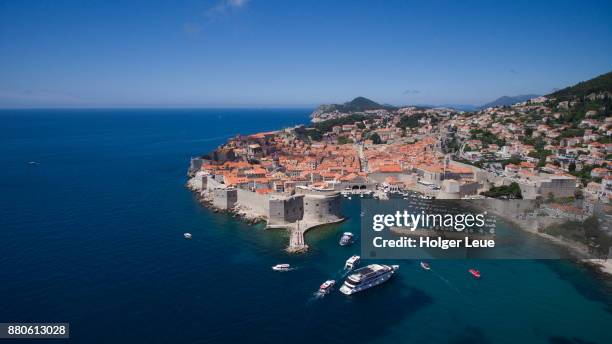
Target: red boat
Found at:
327, 286
475, 273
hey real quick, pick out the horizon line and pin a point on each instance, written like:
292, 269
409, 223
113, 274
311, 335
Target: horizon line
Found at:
136, 107
201, 107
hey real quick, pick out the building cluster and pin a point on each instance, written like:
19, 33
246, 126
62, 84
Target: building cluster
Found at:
408, 149
538, 142
281, 161
530, 148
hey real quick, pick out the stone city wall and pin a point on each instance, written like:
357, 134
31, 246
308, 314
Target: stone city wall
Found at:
312, 207
284, 210
258, 204
322, 208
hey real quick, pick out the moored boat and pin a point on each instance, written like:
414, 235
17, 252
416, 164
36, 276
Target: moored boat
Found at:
474, 273
425, 266
346, 239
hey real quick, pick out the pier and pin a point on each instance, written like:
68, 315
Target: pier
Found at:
296, 239
297, 231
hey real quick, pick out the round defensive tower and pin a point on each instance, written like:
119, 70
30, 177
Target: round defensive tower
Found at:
321, 207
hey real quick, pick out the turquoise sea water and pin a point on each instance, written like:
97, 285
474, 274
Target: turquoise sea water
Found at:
92, 235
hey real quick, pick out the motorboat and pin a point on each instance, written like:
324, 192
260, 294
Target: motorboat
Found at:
474, 273
352, 262
281, 267
327, 286
346, 239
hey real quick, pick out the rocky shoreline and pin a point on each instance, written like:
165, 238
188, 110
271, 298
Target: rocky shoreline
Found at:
296, 233
237, 212
578, 251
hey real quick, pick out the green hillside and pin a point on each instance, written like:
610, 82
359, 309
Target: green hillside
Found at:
360, 104
599, 84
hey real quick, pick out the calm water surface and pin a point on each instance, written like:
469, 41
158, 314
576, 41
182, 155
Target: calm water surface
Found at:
93, 236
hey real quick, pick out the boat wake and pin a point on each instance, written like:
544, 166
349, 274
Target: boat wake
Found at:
343, 273
289, 269
447, 282
318, 295
284, 268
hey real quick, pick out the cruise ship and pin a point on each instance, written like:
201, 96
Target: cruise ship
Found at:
367, 277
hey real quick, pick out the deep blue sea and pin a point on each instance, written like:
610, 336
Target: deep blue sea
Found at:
92, 235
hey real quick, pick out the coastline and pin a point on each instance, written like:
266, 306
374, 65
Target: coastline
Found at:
579, 251
296, 228
237, 212
197, 276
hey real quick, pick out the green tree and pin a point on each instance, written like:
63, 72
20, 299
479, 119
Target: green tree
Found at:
342, 140
375, 138
410, 121
512, 191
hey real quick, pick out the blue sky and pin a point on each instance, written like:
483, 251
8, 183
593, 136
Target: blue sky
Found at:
294, 53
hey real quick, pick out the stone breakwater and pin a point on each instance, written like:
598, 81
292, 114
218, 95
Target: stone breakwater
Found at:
298, 212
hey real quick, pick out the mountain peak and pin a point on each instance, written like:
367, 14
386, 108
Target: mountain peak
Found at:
359, 104
508, 100
362, 104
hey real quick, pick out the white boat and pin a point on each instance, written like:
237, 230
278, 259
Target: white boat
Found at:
352, 262
187, 235
349, 197
281, 267
367, 277
327, 286
425, 266
347, 239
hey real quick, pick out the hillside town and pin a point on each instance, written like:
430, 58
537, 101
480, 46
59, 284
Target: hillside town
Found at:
555, 148
444, 154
